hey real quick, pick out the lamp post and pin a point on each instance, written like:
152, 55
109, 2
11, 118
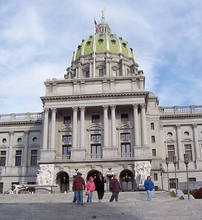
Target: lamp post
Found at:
161, 171
109, 176
175, 164
167, 162
186, 161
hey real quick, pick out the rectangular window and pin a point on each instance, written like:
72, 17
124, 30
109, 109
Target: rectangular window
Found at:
101, 72
153, 152
173, 183
126, 150
125, 136
33, 157
67, 120
171, 152
2, 158
188, 151
192, 179
18, 157
87, 74
66, 139
96, 137
153, 139
152, 125
1, 188
124, 117
95, 118
96, 151
155, 176
66, 151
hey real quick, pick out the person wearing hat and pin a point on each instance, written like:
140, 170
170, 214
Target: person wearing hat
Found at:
78, 187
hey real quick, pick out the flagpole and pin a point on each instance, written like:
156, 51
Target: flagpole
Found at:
94, 48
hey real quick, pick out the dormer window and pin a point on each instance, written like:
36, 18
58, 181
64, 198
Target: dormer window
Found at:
113, 41
124, 44
100, 41
88, 43
79, 47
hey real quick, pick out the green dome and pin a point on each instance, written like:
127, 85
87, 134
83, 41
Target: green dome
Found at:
101, 43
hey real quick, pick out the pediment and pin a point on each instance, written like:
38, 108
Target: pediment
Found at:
65, 128
95, 127
125, 126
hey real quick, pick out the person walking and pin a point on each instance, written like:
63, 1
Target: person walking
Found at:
90, 186
78, 187
99, 185
74, 199
115, 188
149, 186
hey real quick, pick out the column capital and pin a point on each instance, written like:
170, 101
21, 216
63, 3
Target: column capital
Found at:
46, 110
113, 106
135, 106
53, 109
75, 108
143, 105
178, 126
26, 132
11, 132
82, 108
194, 125
105, 106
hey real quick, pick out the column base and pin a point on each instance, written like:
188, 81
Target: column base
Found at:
78, 154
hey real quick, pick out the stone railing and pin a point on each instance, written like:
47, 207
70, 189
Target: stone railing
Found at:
21, 116
192, 109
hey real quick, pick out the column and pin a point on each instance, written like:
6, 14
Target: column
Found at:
179, 145
91, 69
144, 127
45, 129
113, 121
196, 145
53, 119
10, 153
74, 140
82, 131
136, 126
105, 126
25, 153
123, 69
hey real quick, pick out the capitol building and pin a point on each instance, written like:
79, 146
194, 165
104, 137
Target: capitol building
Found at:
100, 118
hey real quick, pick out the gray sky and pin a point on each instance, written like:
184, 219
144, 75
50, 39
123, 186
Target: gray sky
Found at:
37, 40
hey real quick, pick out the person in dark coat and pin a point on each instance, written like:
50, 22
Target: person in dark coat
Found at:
99, 185
115, 188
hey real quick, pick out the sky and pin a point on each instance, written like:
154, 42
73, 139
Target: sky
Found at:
37, 40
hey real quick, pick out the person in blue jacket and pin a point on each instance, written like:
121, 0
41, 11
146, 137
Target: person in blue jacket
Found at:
149, 186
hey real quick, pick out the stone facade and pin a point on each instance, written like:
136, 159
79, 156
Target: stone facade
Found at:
100, 118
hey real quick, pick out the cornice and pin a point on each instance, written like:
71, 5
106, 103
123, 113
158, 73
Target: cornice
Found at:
20, 123
92, 96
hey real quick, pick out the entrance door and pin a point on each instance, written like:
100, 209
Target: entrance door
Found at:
127, 180
63, 181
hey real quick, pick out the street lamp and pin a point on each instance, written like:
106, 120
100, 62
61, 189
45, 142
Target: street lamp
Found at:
175, 164
167, 162
109, 176
186, 161
161, 171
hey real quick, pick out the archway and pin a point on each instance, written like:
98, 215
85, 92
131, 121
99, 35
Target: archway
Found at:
127, 180
63, 181
92, 173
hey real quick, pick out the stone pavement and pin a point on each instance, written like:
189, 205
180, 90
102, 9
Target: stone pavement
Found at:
131, 205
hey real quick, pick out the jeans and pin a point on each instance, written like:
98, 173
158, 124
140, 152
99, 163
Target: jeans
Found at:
90, 196
79, 196
74, 200
149, 195
115, 196
100, 194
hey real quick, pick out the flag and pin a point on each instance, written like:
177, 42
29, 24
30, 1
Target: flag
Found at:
96, 26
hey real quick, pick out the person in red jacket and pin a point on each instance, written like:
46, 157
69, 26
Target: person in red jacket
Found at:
90, 186
78, 187
115, 188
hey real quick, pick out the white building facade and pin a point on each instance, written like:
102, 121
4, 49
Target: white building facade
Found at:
99, 118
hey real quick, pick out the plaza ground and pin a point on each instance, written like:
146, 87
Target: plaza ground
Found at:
131, 205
